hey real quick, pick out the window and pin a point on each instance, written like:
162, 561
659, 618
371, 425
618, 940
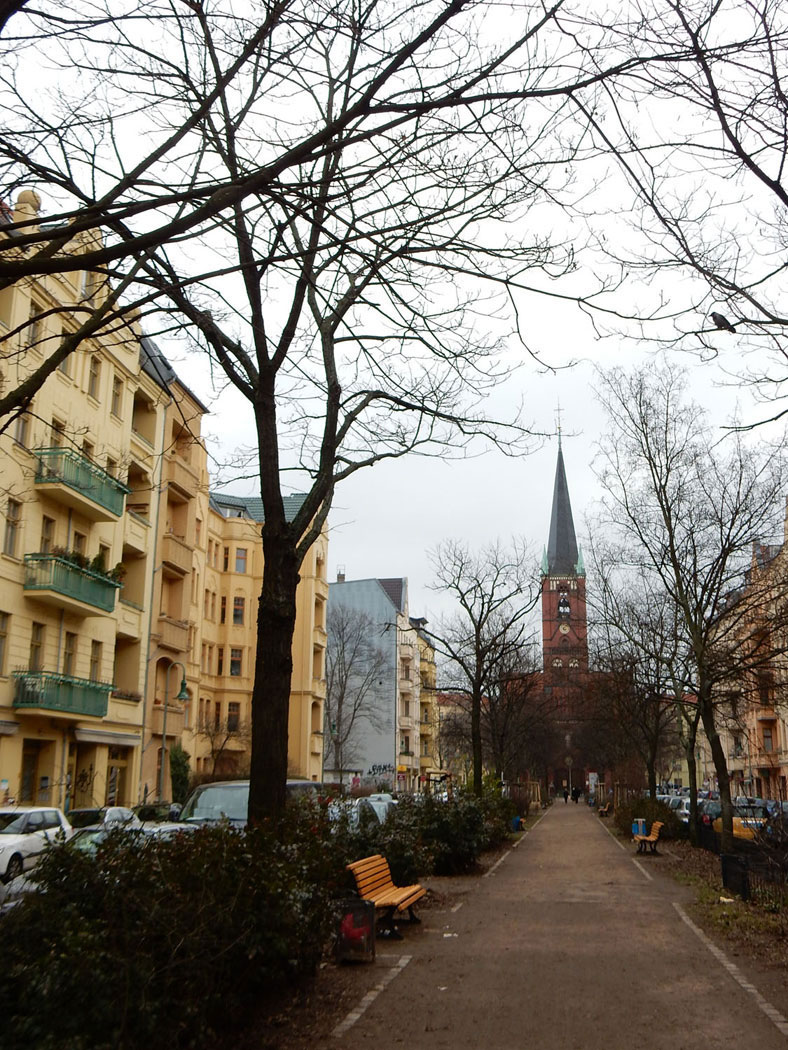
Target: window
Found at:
220, 660
47, 534
13, 520
235, 662
213, 605
204, 658
21, 428
210, 551
36, 324
198, 530
217, 715
58, 433
226, 562
4, 618
102, 561
79, 542
210, 659
240, 559
69, 653
117, 397
206, 603
239, 605
88, 450
65, 365
95, 661
37, 647
94, 376
223, 610
768, 742
233, 717
112, 467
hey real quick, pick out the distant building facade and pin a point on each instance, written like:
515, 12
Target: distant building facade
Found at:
386, 747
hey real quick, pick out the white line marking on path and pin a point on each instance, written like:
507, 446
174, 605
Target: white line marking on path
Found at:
642, 870
499, 861
777, 1019
371, 996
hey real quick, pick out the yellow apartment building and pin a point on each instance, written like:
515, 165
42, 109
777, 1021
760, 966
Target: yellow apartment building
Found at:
228, 580
75, 567
121, 579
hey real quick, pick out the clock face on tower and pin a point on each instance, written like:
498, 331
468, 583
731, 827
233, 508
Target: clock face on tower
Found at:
564, 628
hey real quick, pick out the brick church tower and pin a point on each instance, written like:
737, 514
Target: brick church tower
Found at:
564, 625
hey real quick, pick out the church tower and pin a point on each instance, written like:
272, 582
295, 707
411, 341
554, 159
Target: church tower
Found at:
564, 626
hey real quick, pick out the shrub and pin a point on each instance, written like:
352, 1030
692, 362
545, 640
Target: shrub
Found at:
649, 809
166, 945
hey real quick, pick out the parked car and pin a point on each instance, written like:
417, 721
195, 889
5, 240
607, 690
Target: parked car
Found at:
683, 809
24, 834
121, 815
89, 839
156, 812
229, 800
708, 811
748, 820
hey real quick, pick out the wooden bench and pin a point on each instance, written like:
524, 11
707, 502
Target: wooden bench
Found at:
604, 810
374, 883
650, 839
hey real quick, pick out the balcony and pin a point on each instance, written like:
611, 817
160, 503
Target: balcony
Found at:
406, 722
136, 534
766, 714
406, 685
176, 555
130, 620
60, 693
181, 477
173, 634
73, 480
174, 720
57, 581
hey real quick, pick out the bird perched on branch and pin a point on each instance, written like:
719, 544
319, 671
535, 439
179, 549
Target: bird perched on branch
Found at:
721, 321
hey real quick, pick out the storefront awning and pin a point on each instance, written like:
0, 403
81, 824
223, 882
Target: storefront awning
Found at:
104, 736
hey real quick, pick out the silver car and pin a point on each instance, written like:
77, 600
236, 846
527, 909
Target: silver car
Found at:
24, 834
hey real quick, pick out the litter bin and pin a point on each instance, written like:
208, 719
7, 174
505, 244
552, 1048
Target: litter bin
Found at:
734, 875
356, 931
639, 826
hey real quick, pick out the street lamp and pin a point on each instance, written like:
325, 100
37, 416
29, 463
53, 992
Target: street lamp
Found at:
183, 694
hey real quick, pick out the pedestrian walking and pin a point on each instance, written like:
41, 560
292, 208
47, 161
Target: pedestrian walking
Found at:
566, 795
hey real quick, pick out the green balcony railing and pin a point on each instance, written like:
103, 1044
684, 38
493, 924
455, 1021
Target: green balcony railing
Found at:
48, 572
61, 692
68, 467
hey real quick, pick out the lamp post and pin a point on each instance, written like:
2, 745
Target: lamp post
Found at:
183, 694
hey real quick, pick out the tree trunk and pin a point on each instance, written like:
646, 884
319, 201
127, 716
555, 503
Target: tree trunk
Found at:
476, 741
273, 673
721, 769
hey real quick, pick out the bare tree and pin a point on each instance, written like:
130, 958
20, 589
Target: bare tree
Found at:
229, 741
700, 145
495, 590
355, 662
320, 192
517, 718
691, 512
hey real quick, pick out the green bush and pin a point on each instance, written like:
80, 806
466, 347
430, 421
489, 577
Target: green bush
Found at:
649, 809
166, 945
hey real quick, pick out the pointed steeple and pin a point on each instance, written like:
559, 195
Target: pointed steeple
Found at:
563, 557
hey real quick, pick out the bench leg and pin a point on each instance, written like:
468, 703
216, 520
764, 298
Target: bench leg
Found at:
412, 916
388, 927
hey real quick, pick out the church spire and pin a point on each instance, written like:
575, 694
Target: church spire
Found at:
563, 558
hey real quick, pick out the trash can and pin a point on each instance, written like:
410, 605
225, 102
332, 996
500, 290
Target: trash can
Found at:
639, 826
517, 823
734, 875
356, 931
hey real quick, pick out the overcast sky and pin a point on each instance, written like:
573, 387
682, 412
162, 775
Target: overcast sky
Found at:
385, 519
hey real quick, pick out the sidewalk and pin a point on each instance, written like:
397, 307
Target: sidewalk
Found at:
570, 942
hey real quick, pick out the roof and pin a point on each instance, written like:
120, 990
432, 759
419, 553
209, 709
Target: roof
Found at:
252, 506
396, 589
155, 364
563, 557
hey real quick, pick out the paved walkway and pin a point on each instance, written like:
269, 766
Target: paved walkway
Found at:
570, 941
